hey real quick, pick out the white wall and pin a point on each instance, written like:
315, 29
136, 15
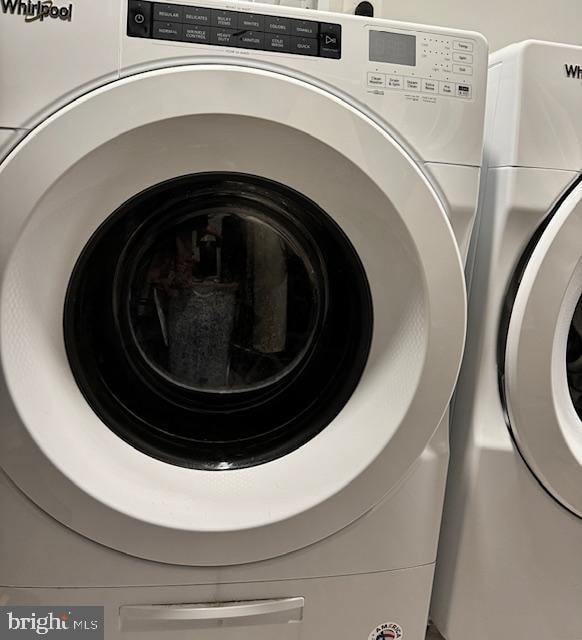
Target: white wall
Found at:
501, 21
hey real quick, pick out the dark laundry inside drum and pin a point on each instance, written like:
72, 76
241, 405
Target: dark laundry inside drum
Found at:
200, 324
218, 321
210, 304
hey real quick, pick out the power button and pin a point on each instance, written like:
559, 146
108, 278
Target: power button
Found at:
139, 19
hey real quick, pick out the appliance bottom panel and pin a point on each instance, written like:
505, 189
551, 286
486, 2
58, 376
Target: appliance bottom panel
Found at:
347, 607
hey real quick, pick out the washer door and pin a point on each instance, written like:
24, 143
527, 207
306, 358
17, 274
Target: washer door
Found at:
543, 357
218, 321
232, 314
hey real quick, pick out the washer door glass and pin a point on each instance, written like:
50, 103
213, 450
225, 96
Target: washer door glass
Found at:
218, 320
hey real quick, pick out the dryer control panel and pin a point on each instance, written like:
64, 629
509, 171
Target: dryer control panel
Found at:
420, 63
224, 28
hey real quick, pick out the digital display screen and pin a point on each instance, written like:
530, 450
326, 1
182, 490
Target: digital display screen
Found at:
395, 48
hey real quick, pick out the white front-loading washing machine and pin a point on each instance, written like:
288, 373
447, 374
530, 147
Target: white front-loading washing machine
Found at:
232, 313
510, 557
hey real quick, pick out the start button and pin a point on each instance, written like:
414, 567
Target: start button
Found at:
330, 40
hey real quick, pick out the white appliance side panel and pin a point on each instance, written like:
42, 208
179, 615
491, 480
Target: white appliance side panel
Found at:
493, 502
523, 546
45, 63
501, 135
421, 104
342, 607
459, 188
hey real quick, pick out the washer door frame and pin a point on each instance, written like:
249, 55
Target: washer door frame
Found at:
540, 412
143, 506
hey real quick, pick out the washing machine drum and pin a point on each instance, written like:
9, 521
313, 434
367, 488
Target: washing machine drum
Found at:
226, 324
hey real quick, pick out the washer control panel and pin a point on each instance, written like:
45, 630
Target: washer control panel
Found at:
420, 64
211, 26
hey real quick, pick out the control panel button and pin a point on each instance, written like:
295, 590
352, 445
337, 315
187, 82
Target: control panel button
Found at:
304, 46
304, 28
251, 40
330, 40
139, 19
429, 86
394, 82
252, 21
464, 90
376, 79
223, 37
197, 15
463, 69
194, 33
274, 24
206, 25
412, 84
167, 30
168, 12
275, 42
466, 58
447, 88
463, 46
225, 19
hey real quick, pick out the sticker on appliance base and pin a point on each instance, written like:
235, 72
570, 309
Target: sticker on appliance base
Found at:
386, 631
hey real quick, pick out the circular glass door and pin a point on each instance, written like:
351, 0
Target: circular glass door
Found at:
218, 321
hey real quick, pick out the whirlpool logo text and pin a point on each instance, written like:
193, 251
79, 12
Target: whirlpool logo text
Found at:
41, 10
30, 622
573, 71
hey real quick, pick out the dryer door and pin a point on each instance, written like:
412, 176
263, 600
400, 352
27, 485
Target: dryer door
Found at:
543, 356
232, 314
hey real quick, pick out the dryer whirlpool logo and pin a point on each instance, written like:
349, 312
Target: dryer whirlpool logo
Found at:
40, 10
573, 71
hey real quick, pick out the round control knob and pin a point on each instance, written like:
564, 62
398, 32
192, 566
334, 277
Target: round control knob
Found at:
365, 8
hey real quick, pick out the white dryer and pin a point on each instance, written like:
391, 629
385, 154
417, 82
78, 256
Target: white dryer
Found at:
510, 557
232, 312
